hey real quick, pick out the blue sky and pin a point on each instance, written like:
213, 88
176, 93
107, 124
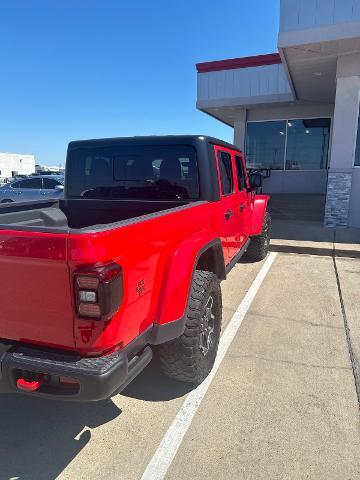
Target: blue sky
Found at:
73, 69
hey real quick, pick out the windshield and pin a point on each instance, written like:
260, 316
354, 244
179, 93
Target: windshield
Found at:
164, 172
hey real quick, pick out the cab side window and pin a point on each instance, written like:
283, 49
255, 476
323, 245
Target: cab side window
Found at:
240, 172
226, 174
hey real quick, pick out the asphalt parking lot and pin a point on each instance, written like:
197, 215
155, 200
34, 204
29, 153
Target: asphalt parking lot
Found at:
283, 403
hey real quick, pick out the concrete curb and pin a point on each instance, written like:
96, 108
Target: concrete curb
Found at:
315, 248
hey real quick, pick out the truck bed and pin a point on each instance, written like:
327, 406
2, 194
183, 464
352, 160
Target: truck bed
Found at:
61, 216
43, 244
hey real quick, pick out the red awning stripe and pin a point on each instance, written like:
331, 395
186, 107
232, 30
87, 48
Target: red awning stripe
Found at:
244, 62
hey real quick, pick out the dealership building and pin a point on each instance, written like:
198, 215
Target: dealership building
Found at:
296, 111
12, 164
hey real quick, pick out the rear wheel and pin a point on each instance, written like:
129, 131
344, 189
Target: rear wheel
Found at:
191, 357
259, 246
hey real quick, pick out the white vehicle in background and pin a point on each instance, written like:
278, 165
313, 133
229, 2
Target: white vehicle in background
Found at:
49, 170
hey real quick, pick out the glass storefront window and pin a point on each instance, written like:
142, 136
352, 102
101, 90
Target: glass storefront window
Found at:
289, 144
265, 144
307, 144
357, 151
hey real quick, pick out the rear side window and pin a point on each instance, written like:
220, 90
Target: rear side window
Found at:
226, 175
49, 183
240, 173
164, 172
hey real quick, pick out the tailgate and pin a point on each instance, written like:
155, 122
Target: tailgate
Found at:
35, 295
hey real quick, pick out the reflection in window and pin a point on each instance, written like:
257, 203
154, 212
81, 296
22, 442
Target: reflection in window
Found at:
357, 151
240, 173
226, 176
307, 144
265, 144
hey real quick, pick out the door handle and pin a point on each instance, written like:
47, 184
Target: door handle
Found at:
242, 206
228, 214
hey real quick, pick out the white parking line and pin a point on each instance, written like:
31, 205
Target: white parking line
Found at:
164, 455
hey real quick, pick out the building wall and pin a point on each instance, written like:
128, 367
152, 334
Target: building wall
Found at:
287, 181
304, 14
354, 213
243, 86
13, 162
278, 112
341, 191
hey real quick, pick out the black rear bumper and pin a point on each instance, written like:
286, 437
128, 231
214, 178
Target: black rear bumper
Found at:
96, 378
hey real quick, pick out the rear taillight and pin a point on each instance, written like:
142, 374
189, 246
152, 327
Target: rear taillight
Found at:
98, 291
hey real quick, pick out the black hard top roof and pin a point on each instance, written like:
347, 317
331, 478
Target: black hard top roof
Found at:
152, 140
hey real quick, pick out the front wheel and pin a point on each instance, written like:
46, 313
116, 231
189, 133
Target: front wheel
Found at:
260, 245
191, 357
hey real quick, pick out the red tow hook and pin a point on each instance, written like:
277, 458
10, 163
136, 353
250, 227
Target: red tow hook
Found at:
26, 386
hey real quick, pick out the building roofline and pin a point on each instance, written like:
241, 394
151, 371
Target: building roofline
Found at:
243, 62
18, 154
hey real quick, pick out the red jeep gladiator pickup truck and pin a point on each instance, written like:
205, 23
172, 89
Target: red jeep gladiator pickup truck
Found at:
128, 263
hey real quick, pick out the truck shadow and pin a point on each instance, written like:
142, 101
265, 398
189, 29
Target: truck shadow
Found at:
153, 386
39, 438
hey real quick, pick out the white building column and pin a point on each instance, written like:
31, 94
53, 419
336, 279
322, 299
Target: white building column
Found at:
240, 130
342, 152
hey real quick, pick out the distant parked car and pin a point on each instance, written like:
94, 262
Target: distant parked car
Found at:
33, 188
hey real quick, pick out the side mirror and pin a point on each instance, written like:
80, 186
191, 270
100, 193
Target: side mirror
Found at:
256, 180
59, 188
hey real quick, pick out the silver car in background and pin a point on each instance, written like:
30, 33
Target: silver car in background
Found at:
32, 188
